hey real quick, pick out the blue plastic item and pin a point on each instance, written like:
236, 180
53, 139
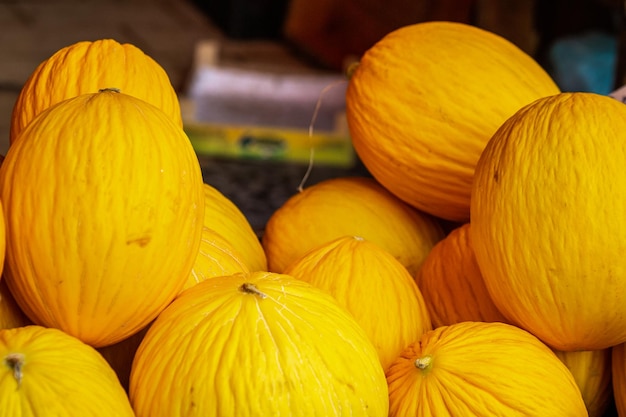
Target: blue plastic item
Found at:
584, 62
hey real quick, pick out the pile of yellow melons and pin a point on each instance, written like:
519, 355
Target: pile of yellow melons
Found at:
478, 271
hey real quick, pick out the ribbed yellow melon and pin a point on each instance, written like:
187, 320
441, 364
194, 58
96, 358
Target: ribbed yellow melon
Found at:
592, 372
226, 219
88, 66
548, 226
352, 270
46, 372
104, 206
216, 257
258, 344
477, 369
425, 99
452, 284
348, 206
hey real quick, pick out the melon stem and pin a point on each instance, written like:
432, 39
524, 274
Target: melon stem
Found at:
424, 363
351, 68
109, 89
250, 288
15, 361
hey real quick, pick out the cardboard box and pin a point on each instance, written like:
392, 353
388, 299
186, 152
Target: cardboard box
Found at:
266, 111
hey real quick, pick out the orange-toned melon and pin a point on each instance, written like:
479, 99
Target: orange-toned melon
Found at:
548, 229
87, 67
452, 284
258, 344
47, 372
424, 100
373, 286
103, 215
477, 369
348, 206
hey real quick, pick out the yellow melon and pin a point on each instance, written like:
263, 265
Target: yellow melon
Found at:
452, 284
373, 286
548, 229
258, 344
592, 372
477, 369
424, 100
88, 66
47, 372
103, 215
226, 219
348, 206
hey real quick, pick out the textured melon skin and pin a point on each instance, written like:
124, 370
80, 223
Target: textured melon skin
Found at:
592, 372
452, 284
476, 369
423, 101
59, 376
226, 219
350, 268
104, 210
258, 344
88, 66
548, 226
348, 206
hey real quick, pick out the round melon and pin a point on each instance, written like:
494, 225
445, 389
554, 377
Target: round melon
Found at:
593, 375
223, 217
348, 206
216, 257
452, 284
88, 66
47, 372
258, 344
548, 229
477, 369
352, 270
424, 100
104, 206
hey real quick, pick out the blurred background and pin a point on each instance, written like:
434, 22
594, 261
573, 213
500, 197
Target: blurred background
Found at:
279, 56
